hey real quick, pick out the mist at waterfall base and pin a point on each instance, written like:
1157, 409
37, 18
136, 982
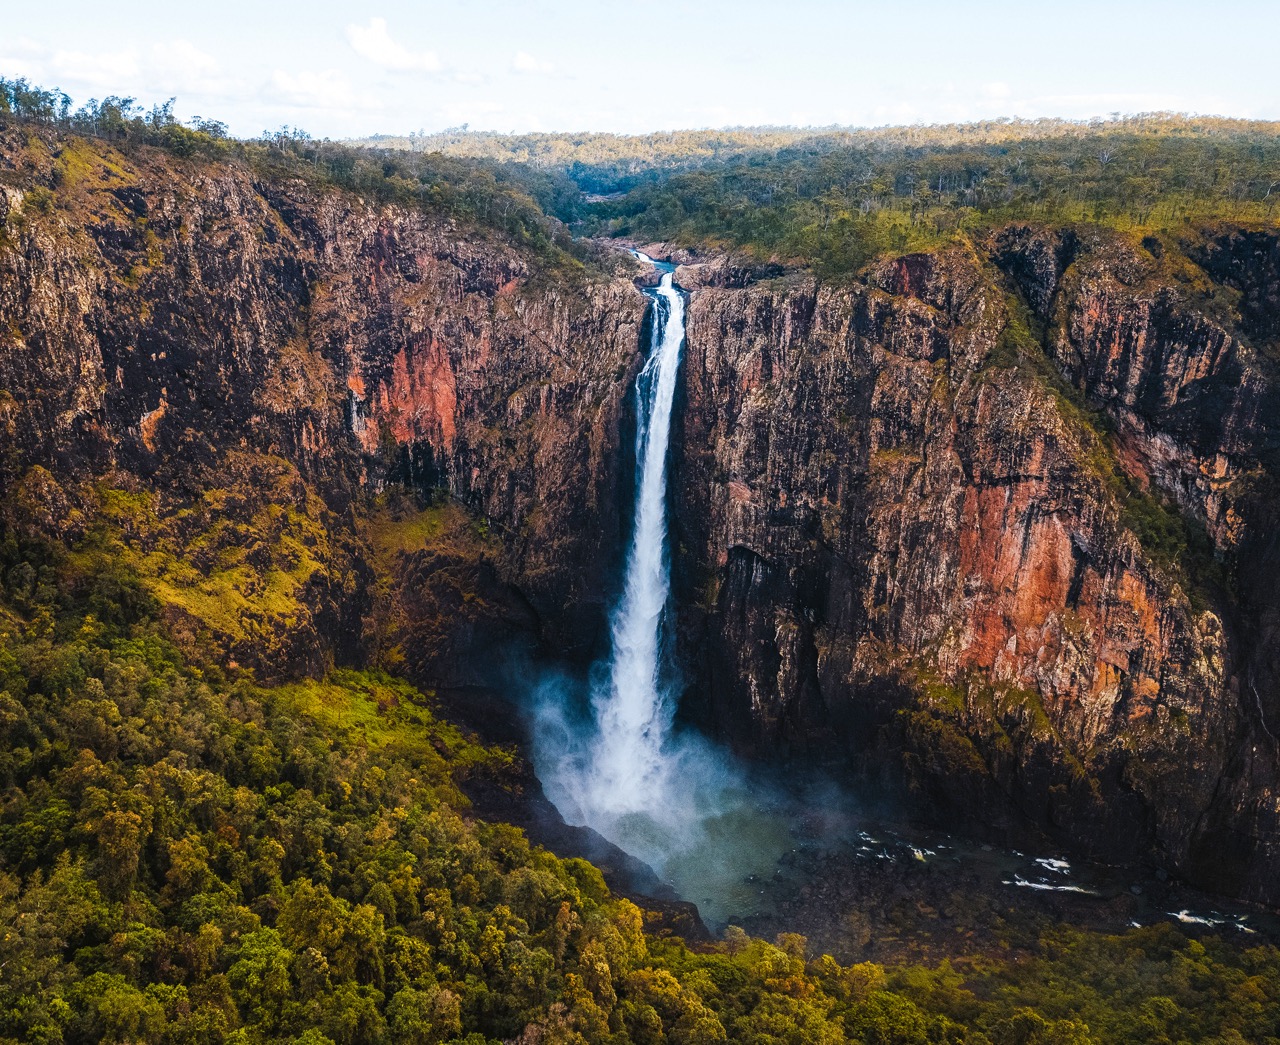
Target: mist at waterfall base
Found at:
609, 758
704, 826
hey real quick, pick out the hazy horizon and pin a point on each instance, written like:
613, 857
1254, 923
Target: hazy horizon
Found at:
568, 66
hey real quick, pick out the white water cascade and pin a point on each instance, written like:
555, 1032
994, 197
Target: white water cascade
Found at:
633, 712
618, 774
671, 799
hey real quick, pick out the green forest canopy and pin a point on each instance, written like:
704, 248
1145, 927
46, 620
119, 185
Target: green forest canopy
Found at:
190, 857
835, 198
828, 198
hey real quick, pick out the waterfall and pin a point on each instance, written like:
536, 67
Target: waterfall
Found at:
672, 799
623, 773
633, 711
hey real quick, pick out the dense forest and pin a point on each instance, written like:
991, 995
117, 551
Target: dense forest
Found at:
834, 199
189, 855
829, 199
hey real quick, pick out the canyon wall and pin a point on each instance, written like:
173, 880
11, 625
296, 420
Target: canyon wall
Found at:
230, 368
993, 528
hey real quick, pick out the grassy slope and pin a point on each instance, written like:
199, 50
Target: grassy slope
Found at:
187, 855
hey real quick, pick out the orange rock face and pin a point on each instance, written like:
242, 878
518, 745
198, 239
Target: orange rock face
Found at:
994, 528
365, 345
940, 534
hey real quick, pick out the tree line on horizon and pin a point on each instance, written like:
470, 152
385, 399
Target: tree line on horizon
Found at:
831, 199
682, 149
506, 198
835, 198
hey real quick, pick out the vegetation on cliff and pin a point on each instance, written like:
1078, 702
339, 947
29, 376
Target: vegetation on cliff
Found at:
192, 848
483, 194
187, 856
834, 198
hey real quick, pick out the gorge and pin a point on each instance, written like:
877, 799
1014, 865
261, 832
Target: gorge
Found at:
670, 798
981, 531
905, 536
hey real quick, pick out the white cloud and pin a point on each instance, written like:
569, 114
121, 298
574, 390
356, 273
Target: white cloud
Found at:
109, 70
375, 43
178, 67
325, 89
166, 67
524, 62
181, 56
23, 58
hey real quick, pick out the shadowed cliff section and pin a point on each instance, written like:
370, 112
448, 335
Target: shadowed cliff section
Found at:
216, 372
984, 527
992, 528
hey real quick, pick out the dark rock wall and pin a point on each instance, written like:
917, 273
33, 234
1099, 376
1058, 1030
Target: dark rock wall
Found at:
162, 322
921, 522
907, 541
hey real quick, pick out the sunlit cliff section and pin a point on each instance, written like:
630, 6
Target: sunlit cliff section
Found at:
988, 526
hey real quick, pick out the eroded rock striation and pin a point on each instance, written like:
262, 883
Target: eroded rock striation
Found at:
980, 525
257, 359
993, 526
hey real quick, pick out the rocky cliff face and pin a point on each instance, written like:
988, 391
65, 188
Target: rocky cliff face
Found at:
949, 525
229, 369
994, 526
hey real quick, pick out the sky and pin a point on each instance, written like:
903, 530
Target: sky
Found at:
347, 70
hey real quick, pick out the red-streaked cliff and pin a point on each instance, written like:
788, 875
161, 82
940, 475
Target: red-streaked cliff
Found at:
921, 525
995, 526
179, 328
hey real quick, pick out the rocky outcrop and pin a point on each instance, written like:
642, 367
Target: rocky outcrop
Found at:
993, 526
1177, 344
160, 321
912, 547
